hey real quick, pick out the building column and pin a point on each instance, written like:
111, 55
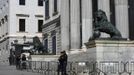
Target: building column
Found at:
75, 23
121, 11
65, 24
51, 8
86, 20
105, 6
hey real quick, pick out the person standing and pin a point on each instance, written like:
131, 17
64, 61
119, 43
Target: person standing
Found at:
23, 63
62, 63
18, 62
10, 60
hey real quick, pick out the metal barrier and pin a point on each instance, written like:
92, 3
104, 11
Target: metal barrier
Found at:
83, 68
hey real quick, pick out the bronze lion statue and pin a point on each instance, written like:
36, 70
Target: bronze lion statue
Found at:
101, 24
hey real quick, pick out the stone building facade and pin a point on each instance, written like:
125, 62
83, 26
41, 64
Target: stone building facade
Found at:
76, 21
19, 18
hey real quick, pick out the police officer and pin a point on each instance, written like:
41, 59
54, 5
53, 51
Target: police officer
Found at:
62, 63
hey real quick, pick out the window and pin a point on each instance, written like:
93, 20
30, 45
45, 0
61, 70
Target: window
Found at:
112, 12
46, 9
46, 44
40, 2
21, 2
54, 45
40, 23
22, 25
55, 5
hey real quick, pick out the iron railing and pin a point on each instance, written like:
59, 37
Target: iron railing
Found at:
83, 67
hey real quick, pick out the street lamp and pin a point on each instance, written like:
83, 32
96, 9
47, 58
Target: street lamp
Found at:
24, 38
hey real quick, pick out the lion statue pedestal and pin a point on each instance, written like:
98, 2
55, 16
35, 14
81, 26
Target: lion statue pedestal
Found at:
110, 50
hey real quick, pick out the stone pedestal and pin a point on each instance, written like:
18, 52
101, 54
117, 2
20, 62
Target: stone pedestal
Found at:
110, 50
106, 50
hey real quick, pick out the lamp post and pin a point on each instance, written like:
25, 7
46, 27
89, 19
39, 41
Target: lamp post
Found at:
24, 38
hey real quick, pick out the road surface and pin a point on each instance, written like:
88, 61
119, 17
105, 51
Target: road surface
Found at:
5, 69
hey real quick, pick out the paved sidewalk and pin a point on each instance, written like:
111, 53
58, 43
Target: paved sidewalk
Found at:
5, 69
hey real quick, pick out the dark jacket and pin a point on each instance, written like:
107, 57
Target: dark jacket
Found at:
63, 59
23, 58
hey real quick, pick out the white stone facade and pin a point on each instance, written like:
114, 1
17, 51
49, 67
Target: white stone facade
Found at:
76, 20
51, 27
9, 30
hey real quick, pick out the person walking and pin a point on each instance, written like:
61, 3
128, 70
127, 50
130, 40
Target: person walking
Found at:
62, 63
